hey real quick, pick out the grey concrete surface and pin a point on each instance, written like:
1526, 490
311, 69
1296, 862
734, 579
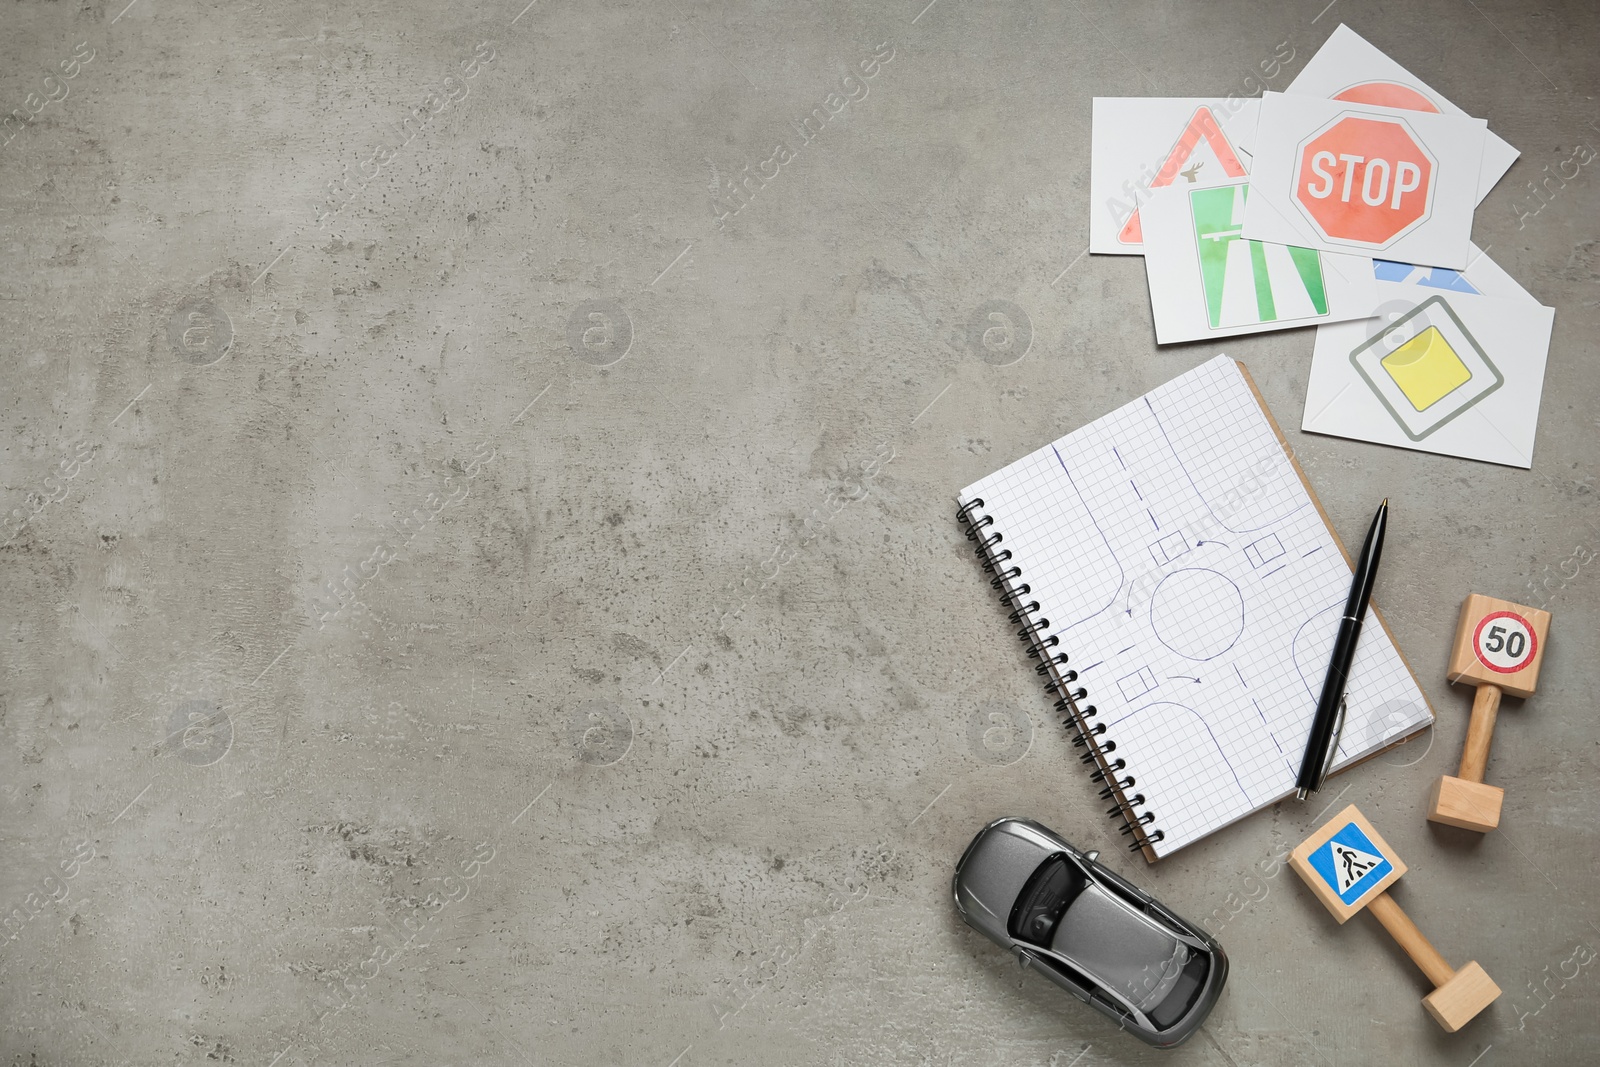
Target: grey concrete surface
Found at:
475, 599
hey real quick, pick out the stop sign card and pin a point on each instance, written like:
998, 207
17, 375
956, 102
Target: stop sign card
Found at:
1347, 67
1347, 177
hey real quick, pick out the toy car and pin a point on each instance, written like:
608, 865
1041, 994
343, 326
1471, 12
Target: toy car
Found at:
1089, 931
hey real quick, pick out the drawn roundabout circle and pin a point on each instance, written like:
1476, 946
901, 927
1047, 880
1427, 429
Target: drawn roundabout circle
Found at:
1197, 612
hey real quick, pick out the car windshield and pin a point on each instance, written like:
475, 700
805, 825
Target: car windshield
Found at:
1184, 992
1121, 949
1044, 898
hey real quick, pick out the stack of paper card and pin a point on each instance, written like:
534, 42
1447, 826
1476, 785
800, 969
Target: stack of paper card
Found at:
1346, 203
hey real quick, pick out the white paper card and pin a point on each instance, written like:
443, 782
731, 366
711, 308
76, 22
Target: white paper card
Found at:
1347, 67
1442, 368
1346, 177
1142, 143
1206, 281
1483, 276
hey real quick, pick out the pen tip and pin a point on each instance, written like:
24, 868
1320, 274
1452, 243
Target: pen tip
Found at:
1385, 503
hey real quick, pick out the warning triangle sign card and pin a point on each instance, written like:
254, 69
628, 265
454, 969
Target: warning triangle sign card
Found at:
1207, 281
1140, 144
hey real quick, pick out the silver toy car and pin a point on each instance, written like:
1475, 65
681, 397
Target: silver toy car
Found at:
1089, 931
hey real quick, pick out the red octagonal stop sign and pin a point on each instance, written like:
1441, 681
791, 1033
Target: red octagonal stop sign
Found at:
1363, 180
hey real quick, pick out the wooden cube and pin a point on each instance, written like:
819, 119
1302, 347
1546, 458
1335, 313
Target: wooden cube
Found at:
1499, 643
1469, 805
1346, 851
1455, 1003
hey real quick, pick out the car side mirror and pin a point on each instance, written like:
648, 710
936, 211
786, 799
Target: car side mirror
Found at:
1092, 855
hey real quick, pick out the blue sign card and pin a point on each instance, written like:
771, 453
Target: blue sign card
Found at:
1387, 270
1350, 863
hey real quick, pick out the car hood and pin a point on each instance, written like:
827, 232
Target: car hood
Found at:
992, 874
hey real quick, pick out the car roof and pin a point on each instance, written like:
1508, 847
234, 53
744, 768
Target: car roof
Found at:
1121, 947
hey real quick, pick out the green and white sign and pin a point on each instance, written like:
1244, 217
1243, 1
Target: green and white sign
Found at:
1249, 282
1207, 281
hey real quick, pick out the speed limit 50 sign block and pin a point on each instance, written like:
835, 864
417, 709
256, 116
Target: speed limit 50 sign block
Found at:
1499, 647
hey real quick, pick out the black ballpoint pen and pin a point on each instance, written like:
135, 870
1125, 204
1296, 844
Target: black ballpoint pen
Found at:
1328, 722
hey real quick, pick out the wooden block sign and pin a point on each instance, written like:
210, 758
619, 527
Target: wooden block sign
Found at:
1349, 866
1499, 643
1346, 863
1499, 647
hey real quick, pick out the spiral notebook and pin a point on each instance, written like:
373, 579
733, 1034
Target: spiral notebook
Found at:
1181, 586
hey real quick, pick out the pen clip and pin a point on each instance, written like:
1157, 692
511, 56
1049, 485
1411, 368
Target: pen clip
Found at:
1333, 746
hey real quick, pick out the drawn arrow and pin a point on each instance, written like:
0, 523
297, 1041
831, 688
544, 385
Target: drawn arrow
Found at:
1224, 544
1185, 677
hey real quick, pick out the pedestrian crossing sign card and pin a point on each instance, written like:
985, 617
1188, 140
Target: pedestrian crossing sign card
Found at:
1346, 863
1207, 281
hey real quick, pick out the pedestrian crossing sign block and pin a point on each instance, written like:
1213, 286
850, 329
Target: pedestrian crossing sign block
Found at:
1346, 863
1350, 863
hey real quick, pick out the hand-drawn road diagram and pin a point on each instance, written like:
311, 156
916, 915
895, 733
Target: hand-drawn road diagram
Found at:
1197, 613
1169, 548
1174, 547
1264, 550
1137, 684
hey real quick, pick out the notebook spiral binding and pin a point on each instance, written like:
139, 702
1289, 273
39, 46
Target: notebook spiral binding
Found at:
1058, 679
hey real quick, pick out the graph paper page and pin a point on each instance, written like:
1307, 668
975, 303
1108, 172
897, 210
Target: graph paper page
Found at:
1191, 580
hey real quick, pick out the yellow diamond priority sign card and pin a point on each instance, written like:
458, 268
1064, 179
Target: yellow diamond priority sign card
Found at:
1442, 367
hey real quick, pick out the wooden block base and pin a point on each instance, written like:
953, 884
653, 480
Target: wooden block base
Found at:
1455, 1003
1469, 805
